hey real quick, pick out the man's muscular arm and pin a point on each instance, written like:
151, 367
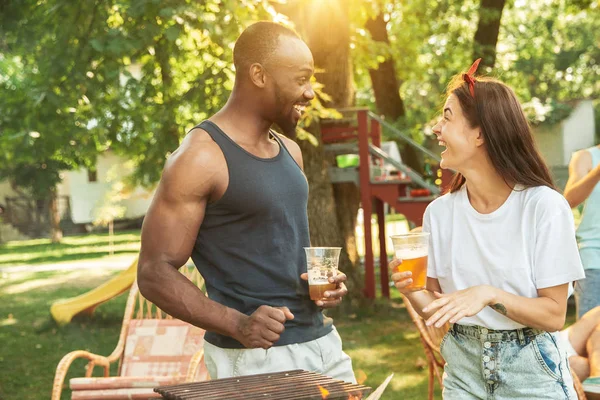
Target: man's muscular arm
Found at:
168, 235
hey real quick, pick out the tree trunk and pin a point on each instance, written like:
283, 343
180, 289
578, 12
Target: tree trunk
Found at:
332, 209
387, 90
486, 36
332, 219
170, 128
55, 231
383, 79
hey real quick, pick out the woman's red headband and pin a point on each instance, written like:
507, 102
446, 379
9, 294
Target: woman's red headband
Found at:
468, 77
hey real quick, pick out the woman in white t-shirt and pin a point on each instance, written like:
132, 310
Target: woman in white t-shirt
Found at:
502, 252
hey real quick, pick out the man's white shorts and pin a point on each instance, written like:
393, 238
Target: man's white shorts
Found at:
323, 355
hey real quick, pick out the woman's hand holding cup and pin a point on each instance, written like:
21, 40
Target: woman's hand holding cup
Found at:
402, 280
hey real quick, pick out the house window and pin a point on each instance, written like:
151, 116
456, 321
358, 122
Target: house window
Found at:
92, 175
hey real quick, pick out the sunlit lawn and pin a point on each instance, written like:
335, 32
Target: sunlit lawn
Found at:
72, 248
31, 343
97, 245
379, 342
381, 339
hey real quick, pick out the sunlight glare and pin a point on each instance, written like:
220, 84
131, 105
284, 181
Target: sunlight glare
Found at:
45, 282
319, 8
8, 321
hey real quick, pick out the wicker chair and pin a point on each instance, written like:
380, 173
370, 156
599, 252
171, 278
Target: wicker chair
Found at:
431, 337
154, 349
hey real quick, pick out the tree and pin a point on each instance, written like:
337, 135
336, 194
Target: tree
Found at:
551, 53
384, 82
39, 132
165, 66
545, 53
135, 75
383, 76
132, 76
44, 102
486, 36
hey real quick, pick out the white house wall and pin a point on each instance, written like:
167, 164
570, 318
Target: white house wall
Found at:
7, 191
549, 142
578, 129
87, 196
137, 204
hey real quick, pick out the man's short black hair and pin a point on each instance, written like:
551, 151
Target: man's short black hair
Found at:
257, 43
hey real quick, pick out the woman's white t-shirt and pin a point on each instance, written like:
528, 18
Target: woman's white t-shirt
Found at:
525, 245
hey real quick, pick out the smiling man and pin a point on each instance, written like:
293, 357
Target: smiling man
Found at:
234, 198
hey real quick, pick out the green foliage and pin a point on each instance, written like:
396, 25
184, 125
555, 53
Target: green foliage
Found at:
548, 113
551, 52
132, 76
314, 113
430, 41
174, 64
135, 75
34, 122
547, 51
111, 208
597, 119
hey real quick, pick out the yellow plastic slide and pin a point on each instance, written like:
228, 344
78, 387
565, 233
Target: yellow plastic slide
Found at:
64, 310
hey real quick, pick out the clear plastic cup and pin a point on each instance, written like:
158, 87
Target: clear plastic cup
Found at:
412, 249
321, 264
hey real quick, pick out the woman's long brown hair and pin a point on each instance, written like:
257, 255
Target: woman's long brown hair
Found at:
506, 132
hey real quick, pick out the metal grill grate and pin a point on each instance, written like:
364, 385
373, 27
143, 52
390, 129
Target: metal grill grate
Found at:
287, 385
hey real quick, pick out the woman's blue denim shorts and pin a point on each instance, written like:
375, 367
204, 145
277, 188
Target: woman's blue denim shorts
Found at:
491, 364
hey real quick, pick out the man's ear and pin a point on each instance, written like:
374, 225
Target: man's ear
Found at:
258, 75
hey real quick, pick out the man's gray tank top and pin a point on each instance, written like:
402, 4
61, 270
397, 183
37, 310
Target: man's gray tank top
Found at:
249, 247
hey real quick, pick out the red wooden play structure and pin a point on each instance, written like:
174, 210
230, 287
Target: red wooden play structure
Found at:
409, 193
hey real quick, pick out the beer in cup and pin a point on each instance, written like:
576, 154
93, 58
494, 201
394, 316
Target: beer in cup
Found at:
412, 249
321, 264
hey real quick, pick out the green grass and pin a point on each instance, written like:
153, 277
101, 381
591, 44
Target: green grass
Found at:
380, 342
381, 339
72, 248
385, 341
32, 345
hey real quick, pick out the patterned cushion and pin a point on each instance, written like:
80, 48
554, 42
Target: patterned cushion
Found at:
157, 352
160, 347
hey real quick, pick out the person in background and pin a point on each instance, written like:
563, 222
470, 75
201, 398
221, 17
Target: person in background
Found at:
583, 188
582, 344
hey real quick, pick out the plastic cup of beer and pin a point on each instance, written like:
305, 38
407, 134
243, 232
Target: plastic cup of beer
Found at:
412, 249
321, 264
